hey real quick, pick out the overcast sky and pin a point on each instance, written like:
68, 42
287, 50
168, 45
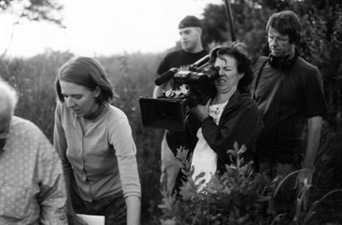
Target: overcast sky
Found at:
103, 27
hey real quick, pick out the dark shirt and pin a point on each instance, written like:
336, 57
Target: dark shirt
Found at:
286, 99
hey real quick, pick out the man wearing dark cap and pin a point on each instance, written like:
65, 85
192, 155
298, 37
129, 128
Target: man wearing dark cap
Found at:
190, 32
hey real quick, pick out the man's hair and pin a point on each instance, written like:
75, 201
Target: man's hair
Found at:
287, 23
8, 96
238, 51
87, 72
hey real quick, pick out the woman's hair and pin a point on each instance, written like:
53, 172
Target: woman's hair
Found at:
238, 51
87, 72
287, 23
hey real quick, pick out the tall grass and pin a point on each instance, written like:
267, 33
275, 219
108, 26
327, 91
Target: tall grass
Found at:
34, 80
133, 76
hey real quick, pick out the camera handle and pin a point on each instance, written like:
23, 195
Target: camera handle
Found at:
200, 64
165, 76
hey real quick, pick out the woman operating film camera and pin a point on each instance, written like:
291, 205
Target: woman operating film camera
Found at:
230, 116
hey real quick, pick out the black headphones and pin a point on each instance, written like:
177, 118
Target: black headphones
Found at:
282, 63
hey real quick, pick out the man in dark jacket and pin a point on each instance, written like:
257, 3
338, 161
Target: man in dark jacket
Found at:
289, 94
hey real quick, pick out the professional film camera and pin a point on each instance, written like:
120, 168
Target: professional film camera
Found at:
189, 88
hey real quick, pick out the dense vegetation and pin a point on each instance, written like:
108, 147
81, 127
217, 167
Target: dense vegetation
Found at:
133, 76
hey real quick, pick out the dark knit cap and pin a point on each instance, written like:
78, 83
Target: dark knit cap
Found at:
189, 21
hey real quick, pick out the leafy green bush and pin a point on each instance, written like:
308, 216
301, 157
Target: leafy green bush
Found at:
240, 196
236, 197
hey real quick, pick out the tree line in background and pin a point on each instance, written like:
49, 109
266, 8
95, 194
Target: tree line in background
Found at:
133, 76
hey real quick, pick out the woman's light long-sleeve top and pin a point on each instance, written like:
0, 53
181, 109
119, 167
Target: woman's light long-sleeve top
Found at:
103, 158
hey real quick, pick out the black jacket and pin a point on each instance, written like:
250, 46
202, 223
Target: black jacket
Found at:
240, 122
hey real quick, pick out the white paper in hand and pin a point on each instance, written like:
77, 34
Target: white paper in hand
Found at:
92, 219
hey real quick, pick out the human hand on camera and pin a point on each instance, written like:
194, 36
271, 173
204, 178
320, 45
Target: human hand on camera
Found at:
201, 111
